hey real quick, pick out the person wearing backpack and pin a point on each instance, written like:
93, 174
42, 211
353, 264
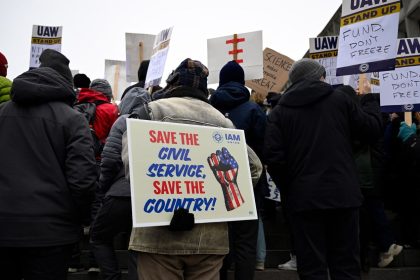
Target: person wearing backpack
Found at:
95, 103
114, 215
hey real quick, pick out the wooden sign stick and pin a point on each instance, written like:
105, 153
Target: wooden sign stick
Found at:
362, 81
235, 47
116, 79
141, 51
408, 118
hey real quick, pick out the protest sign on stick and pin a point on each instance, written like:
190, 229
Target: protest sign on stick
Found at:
44, 37
324, 50
244, 48
276, 73
115, 75
158, 59
400, 89
202, 169
138, 47
363, 83
368, 34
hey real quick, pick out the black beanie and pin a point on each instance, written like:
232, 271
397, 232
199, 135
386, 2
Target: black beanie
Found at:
81, 81
58, 62
142, 72
232, 72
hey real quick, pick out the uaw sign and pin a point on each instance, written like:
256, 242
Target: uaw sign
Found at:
368, 36
44, 37
400, 89
245, 49
324, 50
158, 58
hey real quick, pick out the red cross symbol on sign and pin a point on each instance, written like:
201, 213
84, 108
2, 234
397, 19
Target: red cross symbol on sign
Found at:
235, 49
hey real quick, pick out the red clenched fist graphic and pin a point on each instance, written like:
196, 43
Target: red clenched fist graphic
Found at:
225, 169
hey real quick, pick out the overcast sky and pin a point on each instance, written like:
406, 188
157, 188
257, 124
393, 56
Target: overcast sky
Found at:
94, 30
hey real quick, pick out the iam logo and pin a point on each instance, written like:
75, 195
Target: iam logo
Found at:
217, 137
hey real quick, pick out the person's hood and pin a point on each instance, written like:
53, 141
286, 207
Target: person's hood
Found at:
133, 99
42, 85
305, 92
229, 95
180, 91
90, 95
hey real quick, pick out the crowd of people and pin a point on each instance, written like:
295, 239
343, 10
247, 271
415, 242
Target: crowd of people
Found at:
339, 163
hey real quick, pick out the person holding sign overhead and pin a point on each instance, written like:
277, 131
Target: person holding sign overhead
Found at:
308, 152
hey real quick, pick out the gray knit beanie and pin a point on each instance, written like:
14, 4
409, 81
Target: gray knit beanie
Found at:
103, 86
306, 68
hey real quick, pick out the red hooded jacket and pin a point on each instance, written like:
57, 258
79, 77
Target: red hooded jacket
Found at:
106, 113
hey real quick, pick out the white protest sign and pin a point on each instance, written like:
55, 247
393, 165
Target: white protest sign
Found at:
44, 37
115, 75
368, 34
158, 59
400, 89
276, 73
245, 48
202, 169
74, 72
138, 47
324, 50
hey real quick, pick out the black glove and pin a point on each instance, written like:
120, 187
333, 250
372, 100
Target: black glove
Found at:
182, 220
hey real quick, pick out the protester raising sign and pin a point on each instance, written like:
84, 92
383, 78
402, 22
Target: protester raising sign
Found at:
276, 73
44, 37
400, 89
138, 47
245, 49
324, 50
368, 34
158, 59
202, 169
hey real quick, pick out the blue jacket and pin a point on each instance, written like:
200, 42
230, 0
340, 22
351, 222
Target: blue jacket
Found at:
232, 100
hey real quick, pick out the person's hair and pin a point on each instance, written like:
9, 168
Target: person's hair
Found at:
257, 97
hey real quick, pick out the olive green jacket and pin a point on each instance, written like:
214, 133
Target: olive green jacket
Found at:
5, 87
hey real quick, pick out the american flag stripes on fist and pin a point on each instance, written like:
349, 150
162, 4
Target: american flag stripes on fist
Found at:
225, 169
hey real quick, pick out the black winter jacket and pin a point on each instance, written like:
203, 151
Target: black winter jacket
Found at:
48, 170
308, 146
112, 179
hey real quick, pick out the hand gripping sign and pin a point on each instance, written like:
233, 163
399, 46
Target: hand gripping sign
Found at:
225, 169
